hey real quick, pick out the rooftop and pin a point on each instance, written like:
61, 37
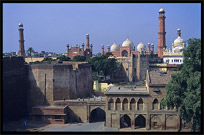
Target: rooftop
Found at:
138, 90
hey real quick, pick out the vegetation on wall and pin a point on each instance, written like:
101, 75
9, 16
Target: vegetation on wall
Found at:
184, 89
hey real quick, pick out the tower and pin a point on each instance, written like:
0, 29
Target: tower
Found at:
21, 40
161, 33
148, 49
102, 49
108, 48
152, 48
178, 32
87, 41
67, 50
82, 46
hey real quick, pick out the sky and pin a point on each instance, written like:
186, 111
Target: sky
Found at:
50, 26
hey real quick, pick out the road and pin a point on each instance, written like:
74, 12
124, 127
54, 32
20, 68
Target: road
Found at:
81, 127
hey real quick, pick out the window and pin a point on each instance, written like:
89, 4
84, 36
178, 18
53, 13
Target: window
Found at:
47, 117
58, 117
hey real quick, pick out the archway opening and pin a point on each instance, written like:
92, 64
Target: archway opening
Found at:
125, 121
118, 104
124, 53
140, 122
110, 104
155, 104
97, 115
125, 104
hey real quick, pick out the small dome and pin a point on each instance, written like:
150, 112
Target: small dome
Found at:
128, 42
178, 40
178, 29
141, 47
20, 25
114, 47
161, 10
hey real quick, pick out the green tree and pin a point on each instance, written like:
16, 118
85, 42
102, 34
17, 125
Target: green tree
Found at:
30, 50
79, 58
63, 58
103, 64
183, 91
48, 59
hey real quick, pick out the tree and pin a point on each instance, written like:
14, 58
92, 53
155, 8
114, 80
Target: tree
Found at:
79, 58
103, 64
183, 91
63, 58
48, 59
30, 50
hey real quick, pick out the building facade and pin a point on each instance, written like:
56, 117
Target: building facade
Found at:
137, 107
73, 51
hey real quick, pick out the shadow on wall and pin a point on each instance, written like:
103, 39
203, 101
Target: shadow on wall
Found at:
15, 85
36, 96
120, 75
72, 117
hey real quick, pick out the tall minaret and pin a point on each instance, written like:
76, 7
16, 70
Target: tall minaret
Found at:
148, 49
21, 40
67, 50
108, 48
161, 33
87, 41
102, 49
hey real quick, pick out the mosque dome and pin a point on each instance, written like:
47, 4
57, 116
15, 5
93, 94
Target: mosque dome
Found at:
20, 25
141, 47
114, 47
128, 42
178, 40
161, 10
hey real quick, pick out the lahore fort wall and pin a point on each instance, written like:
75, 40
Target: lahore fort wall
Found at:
51, 82
15, 85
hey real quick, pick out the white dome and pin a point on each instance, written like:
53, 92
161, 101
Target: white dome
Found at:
161, 10
141, 47
128, 42
178, 40
20, 25
114, 47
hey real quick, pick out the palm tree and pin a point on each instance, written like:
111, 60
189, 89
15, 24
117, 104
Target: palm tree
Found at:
30, 50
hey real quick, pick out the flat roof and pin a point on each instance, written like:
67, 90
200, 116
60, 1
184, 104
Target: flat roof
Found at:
139, 90
50, 107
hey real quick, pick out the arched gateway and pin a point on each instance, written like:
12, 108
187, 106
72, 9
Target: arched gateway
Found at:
140, 122
97, 115
125, 121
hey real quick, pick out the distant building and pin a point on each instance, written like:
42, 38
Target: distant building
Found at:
73, 51
176, 55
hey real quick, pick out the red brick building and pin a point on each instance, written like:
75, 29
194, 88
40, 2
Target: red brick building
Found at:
73, 51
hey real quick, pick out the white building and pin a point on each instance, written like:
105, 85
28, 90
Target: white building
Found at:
176, 55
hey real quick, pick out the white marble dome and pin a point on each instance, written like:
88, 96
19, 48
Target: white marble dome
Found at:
178, 40
141, 47
20, 25
114, 47
161, 10
128, 42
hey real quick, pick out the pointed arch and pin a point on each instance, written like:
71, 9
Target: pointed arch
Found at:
132, 104
140, 121
140, 104
118, 104
111, 104
155, 104
125, 121
125, 104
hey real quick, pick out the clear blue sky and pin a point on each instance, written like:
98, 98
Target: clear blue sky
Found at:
50, 27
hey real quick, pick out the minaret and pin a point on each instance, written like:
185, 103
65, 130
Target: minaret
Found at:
161, 33
67, 50
91, 47
87, 41
102, 49
108, 46
148, 49
152, 48
82, 46
178, 32
21, 40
